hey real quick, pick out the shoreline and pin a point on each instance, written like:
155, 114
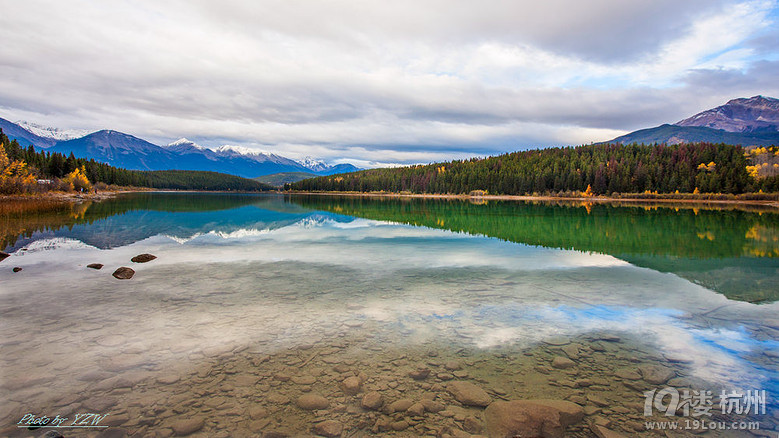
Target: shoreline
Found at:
64, 196
594, 199
108, 194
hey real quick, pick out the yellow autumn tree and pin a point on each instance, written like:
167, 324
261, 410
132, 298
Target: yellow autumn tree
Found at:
588, 193
77, 180
14, 175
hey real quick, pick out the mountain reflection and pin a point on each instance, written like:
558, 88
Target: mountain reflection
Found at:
731, 251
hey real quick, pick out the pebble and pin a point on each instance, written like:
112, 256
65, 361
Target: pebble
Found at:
329, 428
304, 380
351, 385
400, 405
399, 425
188, 426
419, 373
417, 409
143, 258
562, 363
468, 394
311, 402
123, 273
372, 400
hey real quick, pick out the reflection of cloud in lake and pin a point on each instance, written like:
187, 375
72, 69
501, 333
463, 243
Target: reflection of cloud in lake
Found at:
408, 285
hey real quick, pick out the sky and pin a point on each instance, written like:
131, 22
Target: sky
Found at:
378, 83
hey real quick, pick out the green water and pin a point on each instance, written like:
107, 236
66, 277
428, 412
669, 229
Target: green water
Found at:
256, 300
731, 251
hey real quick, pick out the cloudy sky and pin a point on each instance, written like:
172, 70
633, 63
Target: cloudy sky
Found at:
377, 82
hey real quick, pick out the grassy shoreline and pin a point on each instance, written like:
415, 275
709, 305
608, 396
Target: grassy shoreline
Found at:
637, 199
687, 198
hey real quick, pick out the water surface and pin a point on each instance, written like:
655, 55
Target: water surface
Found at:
255, 300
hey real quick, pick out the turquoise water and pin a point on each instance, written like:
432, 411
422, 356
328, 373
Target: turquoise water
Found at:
243, 276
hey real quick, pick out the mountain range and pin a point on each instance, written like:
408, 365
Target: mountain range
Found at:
750, 121
129, 152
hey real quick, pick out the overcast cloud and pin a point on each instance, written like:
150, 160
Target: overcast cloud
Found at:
381, 82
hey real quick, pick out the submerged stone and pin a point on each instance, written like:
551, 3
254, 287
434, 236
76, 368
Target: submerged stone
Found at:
143, 258
562, 362
656, 374
312, 402
531, 418
188, 426
351, 385
468, 394
329, 428
372, 400
124, 273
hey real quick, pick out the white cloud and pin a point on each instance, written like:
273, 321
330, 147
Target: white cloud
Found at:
375, 81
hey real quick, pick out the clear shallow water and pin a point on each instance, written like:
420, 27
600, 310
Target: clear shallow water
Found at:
246, 288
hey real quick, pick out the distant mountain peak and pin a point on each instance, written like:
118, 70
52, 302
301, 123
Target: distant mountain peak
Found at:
130, 152
756, 114
240, 150
50, 132
184, 143
314, 164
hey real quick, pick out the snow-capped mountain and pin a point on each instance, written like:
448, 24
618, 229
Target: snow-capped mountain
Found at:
183, 144
55, 133
314, 164
254, 154
129, 152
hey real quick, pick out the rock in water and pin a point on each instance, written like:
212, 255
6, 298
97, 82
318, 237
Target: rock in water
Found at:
419, 373
4, 255
143, 258
468, 394
656, 374
372, 400
124, 273
531, 418
562, 363
329, 428
95, 265
602, 432
400, 405
312, 402
351, 385
188, 426
17, 269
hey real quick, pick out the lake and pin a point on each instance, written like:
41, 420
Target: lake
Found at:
353, 316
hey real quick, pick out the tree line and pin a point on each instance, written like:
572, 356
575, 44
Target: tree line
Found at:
605, 168
26, 166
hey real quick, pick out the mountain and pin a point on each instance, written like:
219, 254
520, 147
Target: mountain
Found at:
129, 152
673, 134
23, 136
256, 155
338, 168
314, 164
756, 114
750, 121
184, 146
54, 133
121, 150
279, 179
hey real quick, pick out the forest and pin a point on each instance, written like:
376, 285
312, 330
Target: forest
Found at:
601, 169
27, 170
